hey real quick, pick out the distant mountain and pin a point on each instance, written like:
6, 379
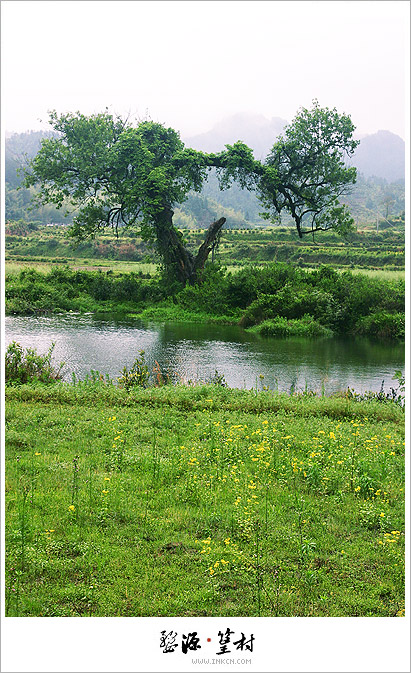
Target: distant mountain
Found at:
254, 130
17, 147
20, 147
381, 155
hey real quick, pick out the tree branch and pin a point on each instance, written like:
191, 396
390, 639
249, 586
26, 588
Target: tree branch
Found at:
207, 245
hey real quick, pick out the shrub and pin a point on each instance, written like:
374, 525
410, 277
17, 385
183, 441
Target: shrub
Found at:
209, 295
382, 325
249, 283
64, 289
293, 302
361, 296
27, 366
306, 326
137, 375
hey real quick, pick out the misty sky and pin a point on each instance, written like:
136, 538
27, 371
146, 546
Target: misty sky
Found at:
189, 64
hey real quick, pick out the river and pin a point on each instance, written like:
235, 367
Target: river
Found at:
196, 351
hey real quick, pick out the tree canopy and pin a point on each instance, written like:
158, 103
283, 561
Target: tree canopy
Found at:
115, 174
305, 172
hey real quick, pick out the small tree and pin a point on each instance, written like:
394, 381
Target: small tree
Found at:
305, 172
118, 175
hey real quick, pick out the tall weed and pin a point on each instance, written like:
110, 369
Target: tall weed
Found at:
27, 366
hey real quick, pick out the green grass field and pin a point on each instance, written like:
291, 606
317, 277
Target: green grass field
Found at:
384, 274
363, 249
202, 501
13, 267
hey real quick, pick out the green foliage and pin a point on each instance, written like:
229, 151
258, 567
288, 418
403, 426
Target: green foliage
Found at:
210, 295
382, 325
64, 289
306, 173
306, 326
337, 300
399, 376
218, 379
371, 197
20, 228
125, 174
137, 375
392, 396
118, 176
250, 282
28, 366
293, 302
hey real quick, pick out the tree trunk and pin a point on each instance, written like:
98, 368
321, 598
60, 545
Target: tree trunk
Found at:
209, 243
176, 258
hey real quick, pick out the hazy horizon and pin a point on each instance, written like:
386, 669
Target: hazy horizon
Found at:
191, 64
186, 137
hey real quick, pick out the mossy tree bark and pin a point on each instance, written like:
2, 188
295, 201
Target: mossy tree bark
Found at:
176, 258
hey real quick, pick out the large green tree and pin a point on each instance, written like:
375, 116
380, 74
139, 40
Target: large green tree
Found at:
115, 174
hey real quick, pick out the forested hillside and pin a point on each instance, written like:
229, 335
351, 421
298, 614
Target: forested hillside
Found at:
19, 148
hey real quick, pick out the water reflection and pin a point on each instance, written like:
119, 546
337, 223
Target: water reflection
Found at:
196, 351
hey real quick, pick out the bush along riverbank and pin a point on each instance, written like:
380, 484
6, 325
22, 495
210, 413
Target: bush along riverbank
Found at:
212, 501
277, 300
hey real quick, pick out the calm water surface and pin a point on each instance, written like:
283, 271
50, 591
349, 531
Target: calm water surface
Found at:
195, 352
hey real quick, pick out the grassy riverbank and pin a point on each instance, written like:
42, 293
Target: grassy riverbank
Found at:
280, 299
202, 501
